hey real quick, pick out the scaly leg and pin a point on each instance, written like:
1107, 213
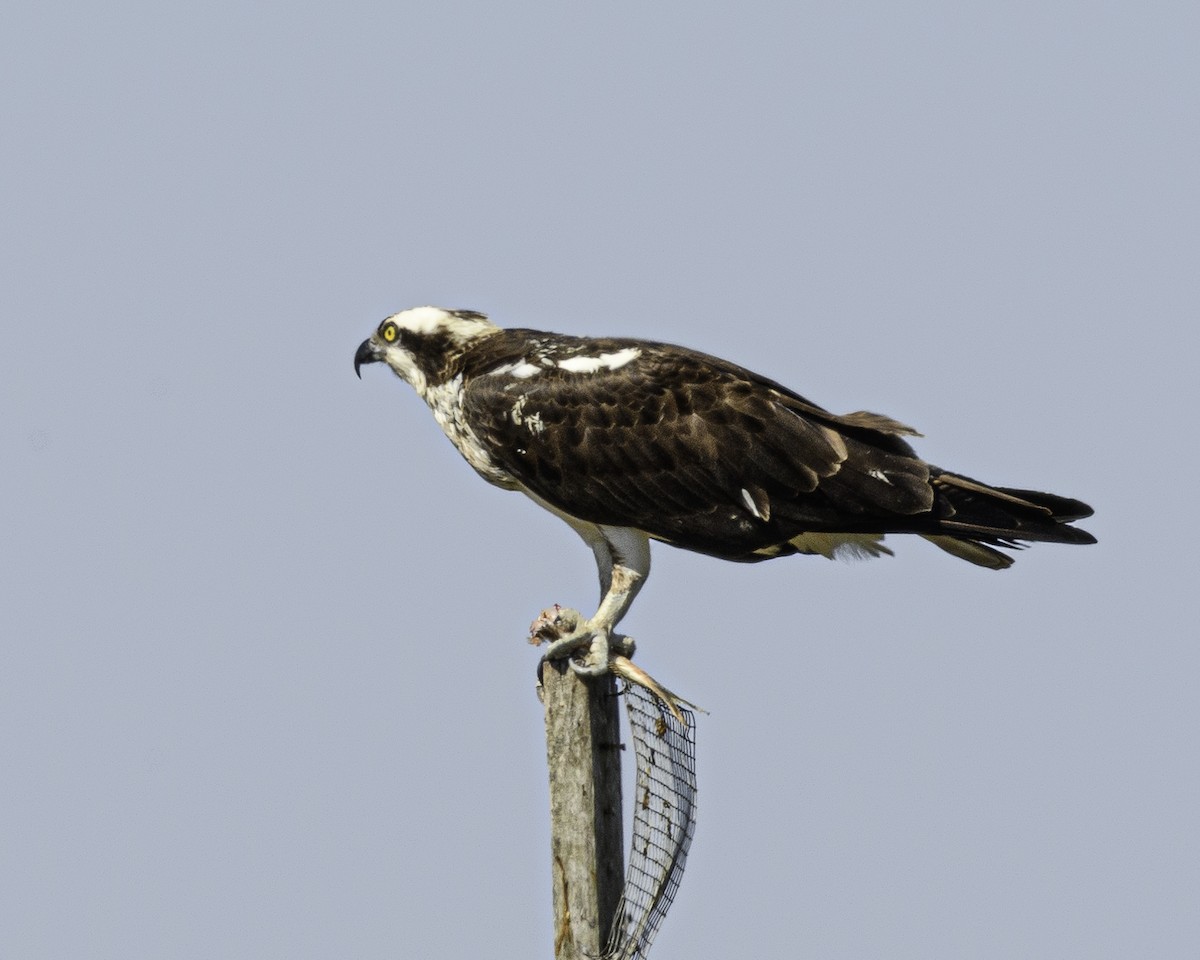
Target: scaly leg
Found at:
623, 563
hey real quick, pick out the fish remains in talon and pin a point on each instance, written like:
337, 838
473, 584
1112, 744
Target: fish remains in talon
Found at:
552, 623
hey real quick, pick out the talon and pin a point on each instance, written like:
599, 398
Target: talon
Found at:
594, 662
569, 636
573, 637
622, 645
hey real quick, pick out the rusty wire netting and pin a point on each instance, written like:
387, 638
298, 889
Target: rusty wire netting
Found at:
664, 819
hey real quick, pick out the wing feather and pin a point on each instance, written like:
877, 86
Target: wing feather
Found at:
709, 456
669, 442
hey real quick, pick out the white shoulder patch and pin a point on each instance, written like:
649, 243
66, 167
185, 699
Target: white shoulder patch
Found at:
605, 361
522, 371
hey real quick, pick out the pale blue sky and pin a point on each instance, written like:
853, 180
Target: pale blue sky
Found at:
264, 691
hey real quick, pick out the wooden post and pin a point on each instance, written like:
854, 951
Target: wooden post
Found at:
586, 840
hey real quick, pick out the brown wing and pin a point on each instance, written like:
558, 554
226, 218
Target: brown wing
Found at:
696, 451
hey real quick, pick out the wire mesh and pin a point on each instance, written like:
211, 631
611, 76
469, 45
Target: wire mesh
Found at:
664, 819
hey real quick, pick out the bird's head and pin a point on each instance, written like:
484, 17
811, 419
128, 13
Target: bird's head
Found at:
422, 344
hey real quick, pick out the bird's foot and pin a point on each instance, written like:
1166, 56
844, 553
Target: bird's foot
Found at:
587, 646
593, 651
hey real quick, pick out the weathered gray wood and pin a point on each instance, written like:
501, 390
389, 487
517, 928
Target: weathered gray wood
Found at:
586, 841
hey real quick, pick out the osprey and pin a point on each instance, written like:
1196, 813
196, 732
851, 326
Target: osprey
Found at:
630, 441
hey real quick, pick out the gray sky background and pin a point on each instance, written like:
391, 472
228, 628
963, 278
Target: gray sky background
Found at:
264, 691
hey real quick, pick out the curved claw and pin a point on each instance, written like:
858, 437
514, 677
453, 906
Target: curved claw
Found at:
585, 646
569, 636
593, 652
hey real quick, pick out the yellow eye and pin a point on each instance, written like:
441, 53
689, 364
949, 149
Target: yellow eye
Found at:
389, 332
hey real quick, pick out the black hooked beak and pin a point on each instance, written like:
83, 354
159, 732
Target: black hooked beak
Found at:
367, 352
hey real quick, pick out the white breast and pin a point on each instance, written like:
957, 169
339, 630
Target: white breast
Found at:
446, 402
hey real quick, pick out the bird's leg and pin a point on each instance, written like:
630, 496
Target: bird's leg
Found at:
623, 562
589, 642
